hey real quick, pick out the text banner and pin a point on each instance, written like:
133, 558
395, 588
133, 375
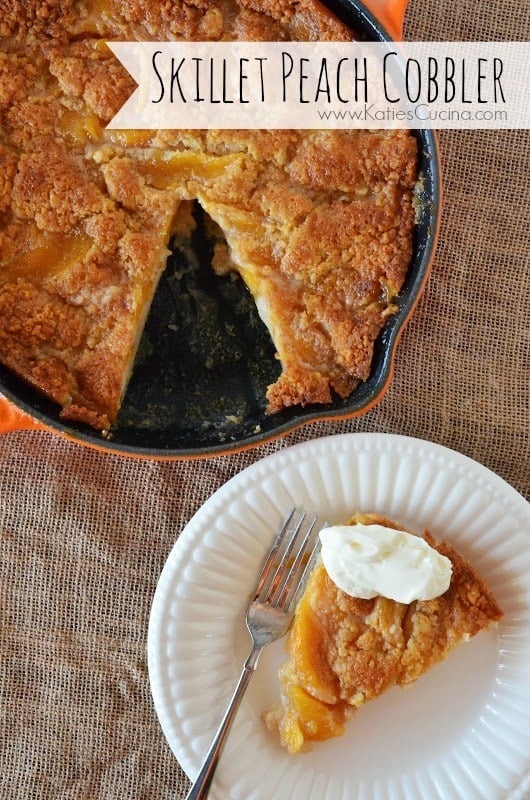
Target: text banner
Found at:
310, 85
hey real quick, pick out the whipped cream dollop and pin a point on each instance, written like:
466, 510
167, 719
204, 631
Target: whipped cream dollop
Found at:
369, 560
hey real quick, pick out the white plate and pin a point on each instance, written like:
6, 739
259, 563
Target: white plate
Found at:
463, 730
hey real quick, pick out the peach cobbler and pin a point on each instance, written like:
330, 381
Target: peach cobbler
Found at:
344, 650
317, 223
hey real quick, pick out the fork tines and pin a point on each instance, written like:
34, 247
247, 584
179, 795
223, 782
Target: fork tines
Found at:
289, 562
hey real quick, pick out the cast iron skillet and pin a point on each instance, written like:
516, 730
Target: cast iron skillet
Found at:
202, 393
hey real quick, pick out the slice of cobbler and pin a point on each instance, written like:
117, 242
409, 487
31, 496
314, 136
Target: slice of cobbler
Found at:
344, 651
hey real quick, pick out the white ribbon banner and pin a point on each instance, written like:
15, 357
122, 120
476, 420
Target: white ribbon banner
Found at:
309, 85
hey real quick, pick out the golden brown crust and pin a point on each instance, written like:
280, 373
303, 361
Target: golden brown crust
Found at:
350, 161
345, 651
87, 70
319, 224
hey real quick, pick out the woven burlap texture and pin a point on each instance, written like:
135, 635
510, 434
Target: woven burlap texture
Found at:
84, 535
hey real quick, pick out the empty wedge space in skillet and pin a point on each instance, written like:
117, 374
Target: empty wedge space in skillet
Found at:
318, 224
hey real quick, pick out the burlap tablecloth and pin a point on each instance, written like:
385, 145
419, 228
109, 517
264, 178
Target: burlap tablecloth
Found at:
84, 535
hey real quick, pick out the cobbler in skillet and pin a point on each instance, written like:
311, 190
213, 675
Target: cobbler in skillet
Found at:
317, 223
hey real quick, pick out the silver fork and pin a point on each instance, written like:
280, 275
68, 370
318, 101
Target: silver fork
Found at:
269, 615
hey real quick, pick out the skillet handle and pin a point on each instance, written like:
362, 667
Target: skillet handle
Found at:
12, 419
390, 13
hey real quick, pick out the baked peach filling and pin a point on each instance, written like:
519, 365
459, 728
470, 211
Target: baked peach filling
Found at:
80, 128
44, 253
176, 170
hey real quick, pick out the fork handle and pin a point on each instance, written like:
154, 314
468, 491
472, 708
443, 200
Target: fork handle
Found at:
199, 790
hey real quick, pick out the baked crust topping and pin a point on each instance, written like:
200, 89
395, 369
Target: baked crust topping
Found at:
317, 223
